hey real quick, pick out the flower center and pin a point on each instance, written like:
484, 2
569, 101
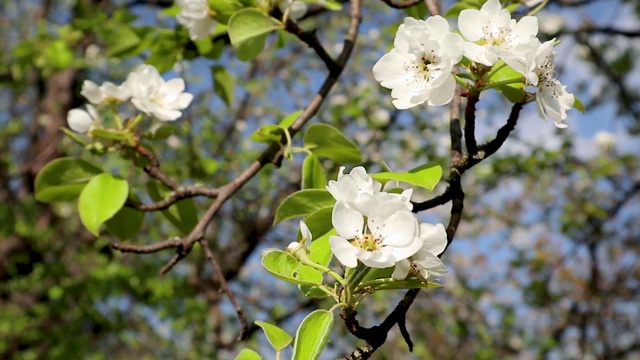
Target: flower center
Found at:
422, 70
496, 36
367, 242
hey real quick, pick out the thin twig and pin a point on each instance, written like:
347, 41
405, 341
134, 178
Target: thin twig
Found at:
432, 7
153, 167
148, 249
242, 318
182, 192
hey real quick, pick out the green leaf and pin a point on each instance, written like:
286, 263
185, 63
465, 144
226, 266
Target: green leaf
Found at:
577, 103
326, 141
101, 199
248, 30
267, 133
283, 266
320, 249
303, 203
120, 39
223, 83
319, 221
183, 214
393, 284
425, 176
513, 92
313, 176
111, 135
289, 119
312, 335
278, 338
248, 354
126, 223
63, 179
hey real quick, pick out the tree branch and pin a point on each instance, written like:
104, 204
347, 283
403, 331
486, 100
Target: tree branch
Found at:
401, 4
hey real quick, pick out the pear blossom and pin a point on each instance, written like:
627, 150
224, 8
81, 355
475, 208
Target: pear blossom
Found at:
605, 141
81, 120
306, 238
349, 188
419, 67
493, 35
155, 97
194, 15
425, 261
552, 97
297, 9
387, 236
106, 92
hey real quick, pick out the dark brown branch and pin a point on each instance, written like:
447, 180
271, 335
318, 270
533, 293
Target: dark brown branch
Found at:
182, 192
470, 123
242, 318
148, 249
441, 199
153, 167
310, 38
401, 4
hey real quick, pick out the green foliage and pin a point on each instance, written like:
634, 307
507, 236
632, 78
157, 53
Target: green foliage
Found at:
100, 200
248, 354
248, 30
303, 203
284, 266
312, 335
326, 141
313, 176
425, 176
63, 179
223, 84
277, 337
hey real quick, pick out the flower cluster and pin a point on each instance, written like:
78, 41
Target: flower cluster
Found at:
419, 68
146, 90
379, 230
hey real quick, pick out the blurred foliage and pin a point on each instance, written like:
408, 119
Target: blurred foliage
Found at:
547, 260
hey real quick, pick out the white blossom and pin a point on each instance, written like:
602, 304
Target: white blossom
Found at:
155, 97
194, 15
425, 261
387, 236
81, 120
493, 35
350, 188
419, 67
297, 9
104, 93
604, 140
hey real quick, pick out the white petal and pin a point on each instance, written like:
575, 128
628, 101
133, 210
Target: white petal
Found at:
305, 232
92, 92
434, 237
347, 222
443, 94
344, 251
396, 230
410, 249
402, 270
470, 22
79, 120
527, 27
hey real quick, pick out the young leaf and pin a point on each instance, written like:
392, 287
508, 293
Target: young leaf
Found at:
278, 338
424, 176
577, 103
102, 198
248, 30
313, 176
63, 179
320, 249
289, 119
223, 83
326, 141
393, 284
283, 266
248, 354
319, 221
303, 203
312, 335
183, 214
267, 133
